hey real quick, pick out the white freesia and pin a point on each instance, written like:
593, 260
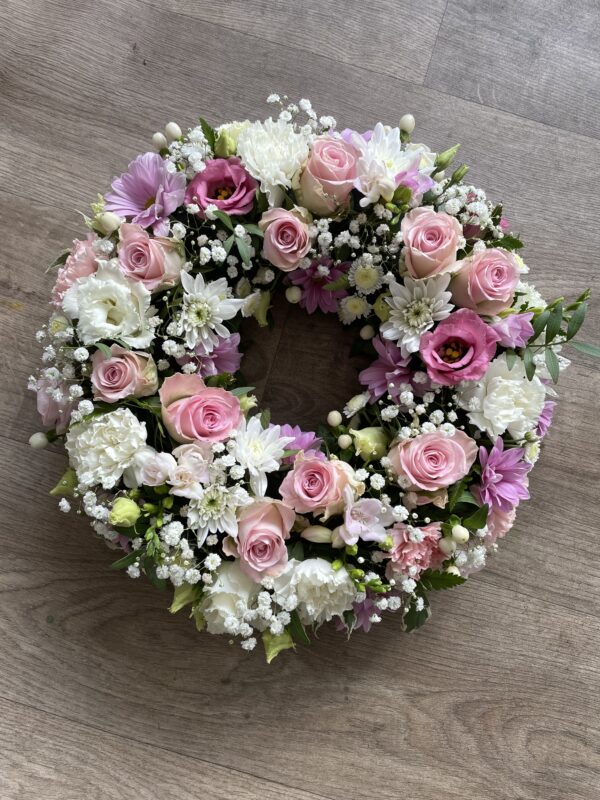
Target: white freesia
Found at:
225, 601
107, 305
101, 448
317, 590
205, 307
504, 400
273, 152
414, 308
259, 450
213, 509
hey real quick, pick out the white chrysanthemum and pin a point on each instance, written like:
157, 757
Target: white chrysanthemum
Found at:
504, 400
381, 159
273, 153
107, 305
352, 308
204, 308
259, 450
365, 275
102, 448
414, 307
228, 598
214, 508
319, 591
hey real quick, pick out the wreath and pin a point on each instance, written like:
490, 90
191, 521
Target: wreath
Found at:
265, 530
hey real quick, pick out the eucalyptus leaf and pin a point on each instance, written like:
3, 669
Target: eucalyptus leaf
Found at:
552, 364
554, 323
587, 348
576, 320
243, 250
529, 363
539, 323
104, 349
224, 218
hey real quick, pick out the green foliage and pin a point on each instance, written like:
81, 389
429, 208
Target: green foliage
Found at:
507, 242
59, 260
434, 579
184, 595
296, 629
275, 644
126, 561
66, 485
477, 519
338, 283
209, 133
413, 618
552, 364
243, 249
588, 349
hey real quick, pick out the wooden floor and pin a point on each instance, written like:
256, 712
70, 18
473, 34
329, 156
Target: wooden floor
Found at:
105, 695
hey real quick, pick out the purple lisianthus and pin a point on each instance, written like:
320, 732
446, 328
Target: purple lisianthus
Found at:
224, 357
545, 419
388, 372
504, 481
515, 330
307, 441
223, 183
313, 280
147, 194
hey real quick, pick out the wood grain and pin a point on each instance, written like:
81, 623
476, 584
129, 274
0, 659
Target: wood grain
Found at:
102, 692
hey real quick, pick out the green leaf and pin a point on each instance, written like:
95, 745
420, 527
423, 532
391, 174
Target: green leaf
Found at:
126, 560
413, 619
552, 364
296, 551
554, 323
508, 242
539, 323
104, 349
576, 320
224, 218
587, 348
253, 229
66, 485
275, 644
529, 363
209, 133
511, 358
239, 391
478, 519
467, 498
297, 630
338, 283
184, 595
228, 243
455, 493
260, 313
59, 260
265, 418
198, 618
243, 250
434, 579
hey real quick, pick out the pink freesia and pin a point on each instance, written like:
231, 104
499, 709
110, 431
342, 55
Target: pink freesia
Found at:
459, 348
486, 281
192, 411
155, 262
80, 263
224, 357
414, 549
125, 374
263, 527
286, 239
329, 175
432, 461
313, 280
431, 241
364, 519
388, 373
316, 486
515, 330
223, 183
54, 413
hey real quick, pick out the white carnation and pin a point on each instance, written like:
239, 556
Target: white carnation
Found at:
100, 449
107, 305
504, 400
320, 591
273, 153
228, 598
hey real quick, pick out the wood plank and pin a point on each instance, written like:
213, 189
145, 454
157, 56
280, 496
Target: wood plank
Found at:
538, 59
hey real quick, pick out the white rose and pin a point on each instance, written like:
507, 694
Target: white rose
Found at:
319, 591
504, 400
228, 597
149, 468
107, 305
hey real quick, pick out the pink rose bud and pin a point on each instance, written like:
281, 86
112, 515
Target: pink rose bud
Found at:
430, 242
192, 411
125, 374
155, 262
286, 239
486, 281
433, 461
263, 527
329, 175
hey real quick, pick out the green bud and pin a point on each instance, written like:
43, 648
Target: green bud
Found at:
124, 513
370, 443
260, 313
352, 549
381, 308
447, 157
459, 173
247, 401
337, 564
227, 138
357, 574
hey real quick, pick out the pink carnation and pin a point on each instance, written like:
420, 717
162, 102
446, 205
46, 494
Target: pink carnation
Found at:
80, 263
414, 549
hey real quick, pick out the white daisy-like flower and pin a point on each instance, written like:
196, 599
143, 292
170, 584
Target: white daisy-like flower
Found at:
214, 509
366, 276
205, 307
353, 307
273, 153
259, 450
414, 308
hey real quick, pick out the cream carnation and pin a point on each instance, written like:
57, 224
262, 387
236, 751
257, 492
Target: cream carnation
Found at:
101, 449
226, 600
322, 592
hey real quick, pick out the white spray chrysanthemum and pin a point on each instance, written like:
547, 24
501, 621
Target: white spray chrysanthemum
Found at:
205, 307
414, 308
259, 450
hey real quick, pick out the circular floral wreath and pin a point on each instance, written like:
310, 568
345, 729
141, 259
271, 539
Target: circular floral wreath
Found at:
267, 530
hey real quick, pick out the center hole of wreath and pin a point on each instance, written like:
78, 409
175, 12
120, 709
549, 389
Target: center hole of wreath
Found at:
302, 366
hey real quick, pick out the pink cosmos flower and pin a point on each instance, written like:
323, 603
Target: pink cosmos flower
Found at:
313, 281
80, 263
504, 479
192, 411
223, 183
460, 348
388, 372
414, 549
224, 357
147, 193
515, 330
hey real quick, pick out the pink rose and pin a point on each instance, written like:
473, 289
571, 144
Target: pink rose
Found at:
193, 411
329, 175
432, 461
317, 486
460, 348
156, 262
125, 374
430, 242
80, 263
411, 555
286, 239
263, 527
223, 183
486, 281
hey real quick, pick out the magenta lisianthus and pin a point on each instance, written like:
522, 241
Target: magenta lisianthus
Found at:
147, 194
224, 357
223, 183
515, 330
388, 372
460, 348
504, 481
313, 280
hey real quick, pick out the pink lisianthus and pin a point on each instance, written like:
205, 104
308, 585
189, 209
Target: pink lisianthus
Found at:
329, 175
55, 413
286, 239
317, 486
80, 263
414, 549
460, 348
263, 527
432, 461
223, 183
486, 281
155, 262
125, 374
192, 411
388, 373
515, 330
313, 280
224, 357
431, 241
